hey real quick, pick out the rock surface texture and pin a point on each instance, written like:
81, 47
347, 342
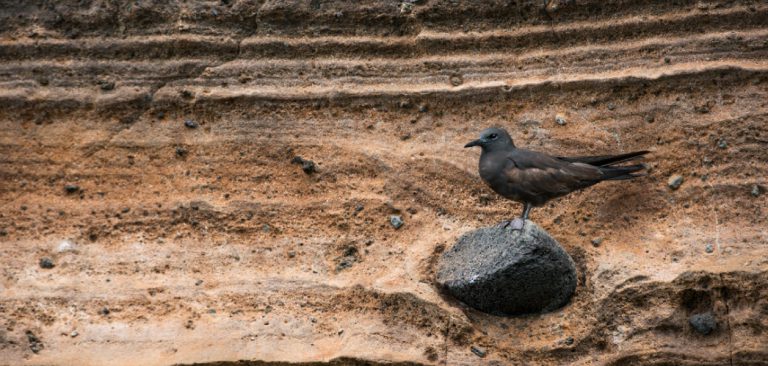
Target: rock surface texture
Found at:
207, 244
504, 271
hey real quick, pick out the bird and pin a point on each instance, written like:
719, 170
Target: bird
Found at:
534, 178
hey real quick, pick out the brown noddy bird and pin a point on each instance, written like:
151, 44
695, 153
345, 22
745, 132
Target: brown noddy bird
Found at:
533, 178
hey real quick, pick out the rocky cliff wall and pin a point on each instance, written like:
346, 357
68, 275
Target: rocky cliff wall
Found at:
146, 148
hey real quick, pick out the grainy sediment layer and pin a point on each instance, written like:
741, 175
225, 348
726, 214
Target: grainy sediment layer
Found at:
208, 246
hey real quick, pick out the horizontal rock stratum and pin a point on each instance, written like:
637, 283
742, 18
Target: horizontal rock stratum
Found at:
167, 244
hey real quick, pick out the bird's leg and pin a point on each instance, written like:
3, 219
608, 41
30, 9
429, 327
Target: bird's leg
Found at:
519, 222
526, 211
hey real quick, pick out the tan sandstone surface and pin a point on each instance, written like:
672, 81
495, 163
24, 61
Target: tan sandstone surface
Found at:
178, 245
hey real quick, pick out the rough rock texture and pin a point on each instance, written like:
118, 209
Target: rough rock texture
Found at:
703, 323
191, 252
503, 271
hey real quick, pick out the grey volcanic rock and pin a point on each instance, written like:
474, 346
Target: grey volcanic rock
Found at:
703, 323
502, 271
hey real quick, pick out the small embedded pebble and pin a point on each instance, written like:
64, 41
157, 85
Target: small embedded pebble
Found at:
675, 181
345, 263
457, 80
291, 254
107, 85
396, 221
66, 246
649, 119
703, 323
597, 241
560, 120
755, 190
709, 248
198, 282
611, 106
722, 144
180, 151
46, 263
423, 108
479, 352
104, 311
308, 166
71, 188
35, 344
190, 123
74, 334
569, 341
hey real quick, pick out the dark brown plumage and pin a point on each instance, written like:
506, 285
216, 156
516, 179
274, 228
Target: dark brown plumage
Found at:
533, 178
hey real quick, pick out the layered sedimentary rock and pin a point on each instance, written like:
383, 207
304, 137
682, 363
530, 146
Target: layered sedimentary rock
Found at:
150, 212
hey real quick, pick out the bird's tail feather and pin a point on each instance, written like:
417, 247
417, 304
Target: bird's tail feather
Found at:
623, 172
606, 160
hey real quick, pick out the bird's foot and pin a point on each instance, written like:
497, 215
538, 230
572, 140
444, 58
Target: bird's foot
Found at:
516, 224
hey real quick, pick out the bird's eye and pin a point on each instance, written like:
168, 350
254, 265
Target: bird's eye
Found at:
493, 136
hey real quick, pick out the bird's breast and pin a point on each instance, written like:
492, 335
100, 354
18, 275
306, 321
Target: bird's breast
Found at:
491, 168
493, 171
488, 170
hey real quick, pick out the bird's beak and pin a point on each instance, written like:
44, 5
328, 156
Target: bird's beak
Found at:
474, 143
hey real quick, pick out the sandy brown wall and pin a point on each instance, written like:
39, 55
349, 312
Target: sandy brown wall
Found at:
179, 245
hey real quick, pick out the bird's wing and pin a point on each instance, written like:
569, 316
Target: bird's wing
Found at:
604, 160
540, 174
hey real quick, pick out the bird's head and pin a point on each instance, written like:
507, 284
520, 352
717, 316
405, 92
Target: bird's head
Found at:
492, 139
